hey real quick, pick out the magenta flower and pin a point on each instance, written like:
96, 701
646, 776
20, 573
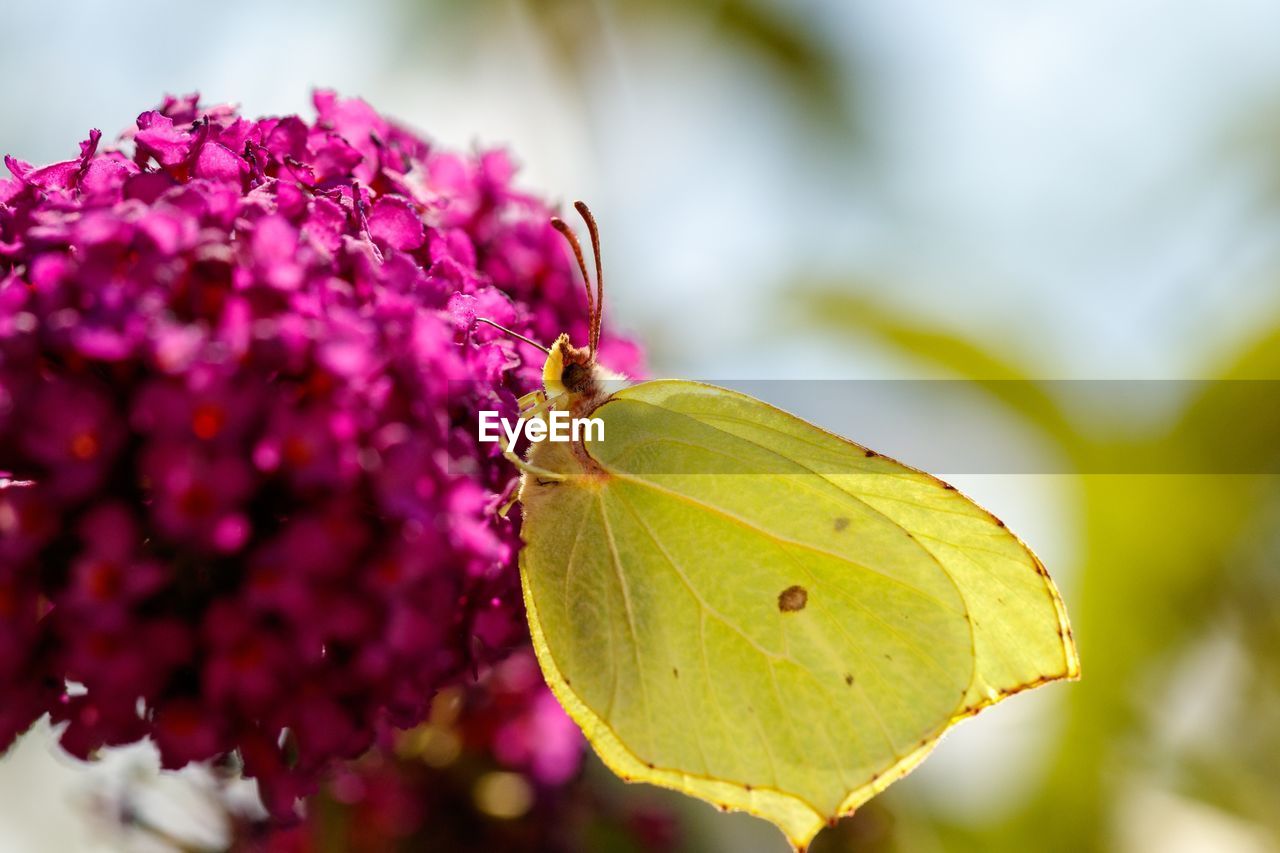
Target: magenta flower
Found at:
239, 371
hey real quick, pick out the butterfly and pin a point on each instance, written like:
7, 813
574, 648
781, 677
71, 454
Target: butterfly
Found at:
736, 604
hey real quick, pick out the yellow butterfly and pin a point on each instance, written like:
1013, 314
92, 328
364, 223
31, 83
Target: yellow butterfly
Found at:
734, 603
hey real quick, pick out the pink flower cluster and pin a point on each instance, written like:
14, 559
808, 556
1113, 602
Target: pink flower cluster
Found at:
240, 371
427, 794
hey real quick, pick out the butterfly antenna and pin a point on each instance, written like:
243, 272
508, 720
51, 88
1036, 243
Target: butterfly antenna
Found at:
567, 232
585, 213
515, 335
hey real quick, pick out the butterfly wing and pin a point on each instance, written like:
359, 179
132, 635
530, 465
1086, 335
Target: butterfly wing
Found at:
1022, 636
738, 605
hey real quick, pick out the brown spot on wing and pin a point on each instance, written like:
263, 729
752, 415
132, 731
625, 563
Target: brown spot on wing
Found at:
792, 599
840, 523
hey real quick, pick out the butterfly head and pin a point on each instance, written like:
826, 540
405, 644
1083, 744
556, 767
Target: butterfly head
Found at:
569, 370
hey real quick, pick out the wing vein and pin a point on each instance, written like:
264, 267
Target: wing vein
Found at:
783, 540
684, 579
631, 619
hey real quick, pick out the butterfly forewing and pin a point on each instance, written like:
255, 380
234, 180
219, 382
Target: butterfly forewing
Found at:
1021, 634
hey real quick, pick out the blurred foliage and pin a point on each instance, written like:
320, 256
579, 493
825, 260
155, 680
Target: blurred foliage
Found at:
577, 35
1171, 563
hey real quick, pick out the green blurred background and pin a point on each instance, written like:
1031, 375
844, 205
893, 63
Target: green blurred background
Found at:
823, 189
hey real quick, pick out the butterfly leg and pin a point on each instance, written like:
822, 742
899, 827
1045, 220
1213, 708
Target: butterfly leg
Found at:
532, 405
533, 401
